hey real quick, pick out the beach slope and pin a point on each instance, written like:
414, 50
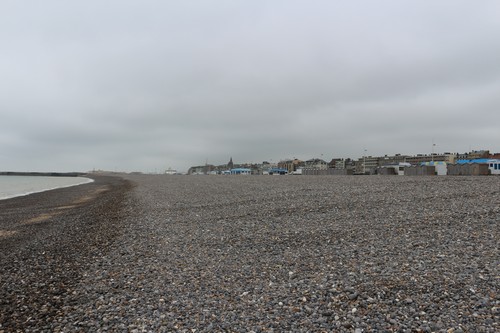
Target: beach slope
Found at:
155, 253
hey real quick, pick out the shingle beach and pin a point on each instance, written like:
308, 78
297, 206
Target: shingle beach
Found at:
155, 253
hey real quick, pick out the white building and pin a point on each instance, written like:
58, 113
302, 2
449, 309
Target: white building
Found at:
494, 166
316, 164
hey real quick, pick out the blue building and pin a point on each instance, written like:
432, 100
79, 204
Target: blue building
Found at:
241, 171
278, 171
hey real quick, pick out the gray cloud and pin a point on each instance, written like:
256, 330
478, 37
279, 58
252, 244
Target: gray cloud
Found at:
146, 85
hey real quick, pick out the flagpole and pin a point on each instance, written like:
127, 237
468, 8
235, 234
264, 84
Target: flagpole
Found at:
432, 156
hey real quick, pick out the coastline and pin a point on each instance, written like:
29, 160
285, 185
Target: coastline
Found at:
85, 180
47, 174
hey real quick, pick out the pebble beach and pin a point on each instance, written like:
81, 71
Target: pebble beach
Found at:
156, 253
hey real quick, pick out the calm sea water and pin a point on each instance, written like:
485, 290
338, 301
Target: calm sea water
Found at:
15, 186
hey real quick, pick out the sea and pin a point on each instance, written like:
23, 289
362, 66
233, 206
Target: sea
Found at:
16, 186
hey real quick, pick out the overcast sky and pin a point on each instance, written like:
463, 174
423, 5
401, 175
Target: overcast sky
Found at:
146, 85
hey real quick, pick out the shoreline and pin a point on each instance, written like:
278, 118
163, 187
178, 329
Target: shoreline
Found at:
89, 180
46, 174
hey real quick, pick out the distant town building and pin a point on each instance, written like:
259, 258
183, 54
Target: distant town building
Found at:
316, 164
494, 156
241, 171
277, 171
291, 165
473, 155
420, 164
395, 159
366, 165
337, 163
421, 158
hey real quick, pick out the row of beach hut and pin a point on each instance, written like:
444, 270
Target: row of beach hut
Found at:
480, 167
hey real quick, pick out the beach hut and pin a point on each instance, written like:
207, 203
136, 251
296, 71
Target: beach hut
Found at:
393, 169
440, 167
493, 165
